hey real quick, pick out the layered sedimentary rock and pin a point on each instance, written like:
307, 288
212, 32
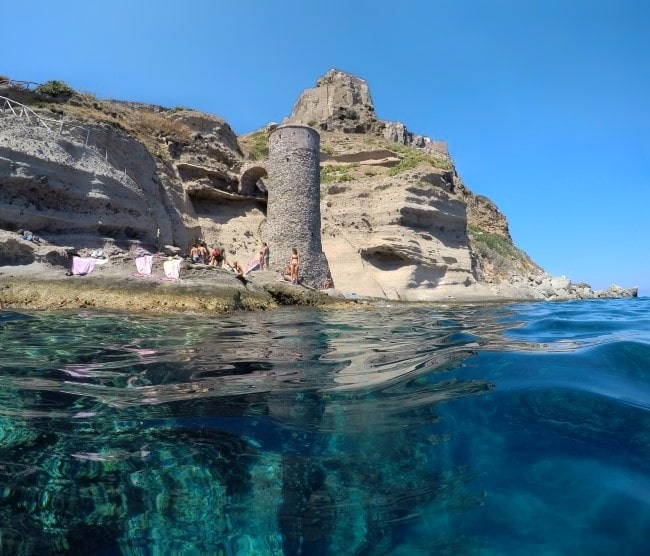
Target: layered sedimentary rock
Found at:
401, 238
396, 220
339, 102
57, 186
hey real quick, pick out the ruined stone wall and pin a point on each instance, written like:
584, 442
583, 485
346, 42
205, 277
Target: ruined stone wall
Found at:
293, 212
437, 147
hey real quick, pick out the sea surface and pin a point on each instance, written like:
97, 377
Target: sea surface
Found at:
518, 429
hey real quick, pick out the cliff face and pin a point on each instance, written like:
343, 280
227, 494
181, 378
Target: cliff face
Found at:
397, 220
81, 173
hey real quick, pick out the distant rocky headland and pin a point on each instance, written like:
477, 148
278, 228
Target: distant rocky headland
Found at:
377, 211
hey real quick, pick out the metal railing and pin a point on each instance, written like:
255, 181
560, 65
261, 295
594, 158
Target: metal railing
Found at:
11, 107
30, 85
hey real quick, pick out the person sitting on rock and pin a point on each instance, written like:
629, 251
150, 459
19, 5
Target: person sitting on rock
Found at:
237, 268
284, 275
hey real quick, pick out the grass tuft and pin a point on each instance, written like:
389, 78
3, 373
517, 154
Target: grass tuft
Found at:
412, 157
335, 174
259, 148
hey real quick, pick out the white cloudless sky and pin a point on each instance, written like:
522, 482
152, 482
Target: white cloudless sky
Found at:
544, 103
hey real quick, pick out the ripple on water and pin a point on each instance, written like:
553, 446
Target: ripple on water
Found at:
494, 429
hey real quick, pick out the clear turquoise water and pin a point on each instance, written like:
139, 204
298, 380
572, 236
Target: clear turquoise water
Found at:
511, 429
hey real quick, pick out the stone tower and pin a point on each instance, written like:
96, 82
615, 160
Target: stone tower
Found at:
293, 210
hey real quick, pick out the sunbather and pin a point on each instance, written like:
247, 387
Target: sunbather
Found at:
237, 268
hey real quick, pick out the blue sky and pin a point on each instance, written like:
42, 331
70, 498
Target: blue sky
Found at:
544, 104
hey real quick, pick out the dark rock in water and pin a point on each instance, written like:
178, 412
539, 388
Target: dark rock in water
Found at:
285, 293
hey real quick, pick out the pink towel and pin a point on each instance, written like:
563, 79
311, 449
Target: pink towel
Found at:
143, 264
254, 265
172, 268
82, 266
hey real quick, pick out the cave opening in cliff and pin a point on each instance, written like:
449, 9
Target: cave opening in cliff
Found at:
384, 258
252, 181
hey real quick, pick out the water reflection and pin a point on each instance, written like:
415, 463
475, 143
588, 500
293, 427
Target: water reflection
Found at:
294, 432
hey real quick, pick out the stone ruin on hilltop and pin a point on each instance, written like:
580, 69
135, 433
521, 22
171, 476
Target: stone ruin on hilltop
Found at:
342, 102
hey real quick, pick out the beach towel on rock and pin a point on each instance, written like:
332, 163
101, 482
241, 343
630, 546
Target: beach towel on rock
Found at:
143, 264
254, 265
81, 266
172, 268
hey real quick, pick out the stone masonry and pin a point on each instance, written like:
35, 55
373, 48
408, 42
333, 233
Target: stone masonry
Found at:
293, 212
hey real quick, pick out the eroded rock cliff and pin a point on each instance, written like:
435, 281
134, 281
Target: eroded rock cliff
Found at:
397, 220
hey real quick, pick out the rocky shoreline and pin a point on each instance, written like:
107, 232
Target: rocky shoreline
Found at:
386, 217
200, 290
116, 286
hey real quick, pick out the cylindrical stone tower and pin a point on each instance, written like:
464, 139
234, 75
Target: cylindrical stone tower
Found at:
293, 210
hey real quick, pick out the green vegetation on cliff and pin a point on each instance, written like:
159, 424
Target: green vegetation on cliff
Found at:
55, 88
335, 174
411, 157
259, 145
494, 242
499, 252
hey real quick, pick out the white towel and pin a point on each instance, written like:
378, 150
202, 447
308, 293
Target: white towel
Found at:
172, 268
143, 264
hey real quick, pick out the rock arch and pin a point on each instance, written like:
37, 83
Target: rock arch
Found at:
251, 180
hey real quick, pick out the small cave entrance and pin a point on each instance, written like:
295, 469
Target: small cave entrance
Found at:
251, 182
384, 258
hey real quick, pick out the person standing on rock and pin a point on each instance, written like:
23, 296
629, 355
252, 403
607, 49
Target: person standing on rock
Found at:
265, 255
294, 265
203, 252
195, 256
